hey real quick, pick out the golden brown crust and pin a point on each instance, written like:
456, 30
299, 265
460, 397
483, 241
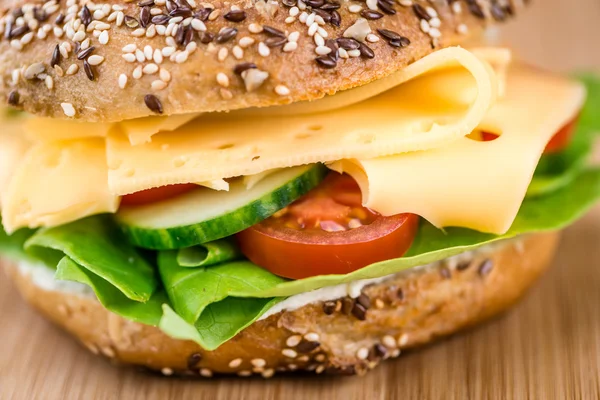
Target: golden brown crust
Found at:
193, 86
408, 310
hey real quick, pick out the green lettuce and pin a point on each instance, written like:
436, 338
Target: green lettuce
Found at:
97, 245
208, 254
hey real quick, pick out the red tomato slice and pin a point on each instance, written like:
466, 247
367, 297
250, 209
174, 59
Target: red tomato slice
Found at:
156, 194
558, 142
327, 231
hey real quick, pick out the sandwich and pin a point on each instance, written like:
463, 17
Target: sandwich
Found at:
263, 186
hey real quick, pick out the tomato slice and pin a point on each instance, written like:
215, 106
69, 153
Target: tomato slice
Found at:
156, 194
327, 231
558, 142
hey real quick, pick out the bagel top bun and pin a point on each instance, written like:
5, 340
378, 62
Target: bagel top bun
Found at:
121, 60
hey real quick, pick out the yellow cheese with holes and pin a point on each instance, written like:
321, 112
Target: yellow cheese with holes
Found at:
444, 97
477, 185
141, 130
58, 182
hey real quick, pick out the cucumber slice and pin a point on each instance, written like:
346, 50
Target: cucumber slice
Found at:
204, 215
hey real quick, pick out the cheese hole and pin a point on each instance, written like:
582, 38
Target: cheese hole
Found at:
226, 146
53, 159
483, 136
114, 164
303, 135
180, 161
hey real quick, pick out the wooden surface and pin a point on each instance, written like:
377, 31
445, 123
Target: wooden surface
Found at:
548, 347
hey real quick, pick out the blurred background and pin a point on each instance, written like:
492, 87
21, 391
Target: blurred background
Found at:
561, 35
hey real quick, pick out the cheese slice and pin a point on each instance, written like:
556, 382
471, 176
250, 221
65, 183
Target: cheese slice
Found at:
477, 185
49, 129
58, 182
141, 130
13, 146
444, 97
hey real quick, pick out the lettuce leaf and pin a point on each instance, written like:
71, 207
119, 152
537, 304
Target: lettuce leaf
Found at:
97, 245
110, 297
208, 254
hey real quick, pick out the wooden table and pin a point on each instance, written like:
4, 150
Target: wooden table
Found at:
548, 347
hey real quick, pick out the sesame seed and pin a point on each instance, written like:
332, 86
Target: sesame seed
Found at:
222, 79
355, 8
137, 72
290, 46
198, 25
425, 26
362, 353
68, 109
16, 44
244, 373
140, 56
89, 71
59, 71
167, 371
267, 373
237, 52
34, 70
153, 103
379, 303
13, 98
389, 341
312, 337
130, 48
226, 94
462, 28
290, 20
258, 362
322, 50
294, 11
223, 53
79, 36
486, 267
372, 38
320, 369
157, 56
164, 75
72, 70
138, 32
289, 353
122, 81
294, 36
148, 52
181, 57
214, 15
27, 38
403, 340
235, 363
282, 90
456, 7
293, 341
49, 82
255, 28
318, 39
95, 59
435, 22
435, 33
158, 85
205, 372
353, 53
263, 49
168, 51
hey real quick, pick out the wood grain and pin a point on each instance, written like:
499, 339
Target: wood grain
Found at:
548, 347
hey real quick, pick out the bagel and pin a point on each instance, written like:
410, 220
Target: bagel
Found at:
121, 60
406, 310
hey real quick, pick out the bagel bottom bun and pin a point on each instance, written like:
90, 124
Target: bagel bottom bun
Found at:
408, 309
